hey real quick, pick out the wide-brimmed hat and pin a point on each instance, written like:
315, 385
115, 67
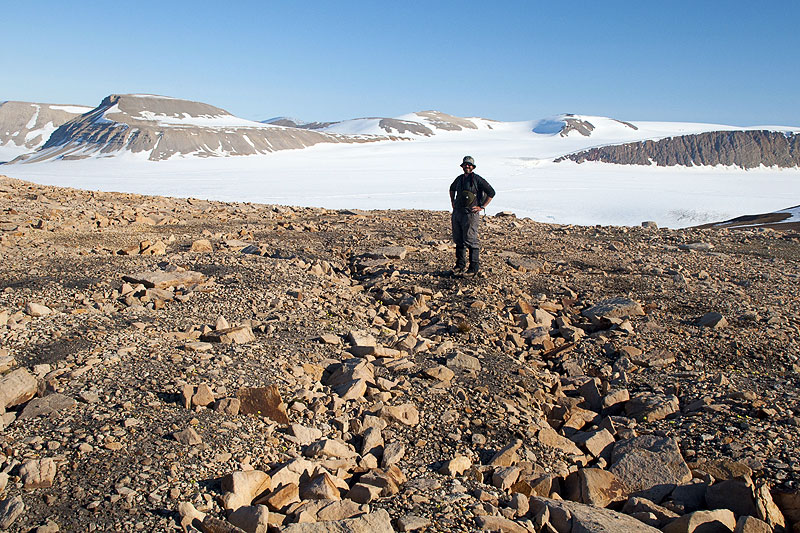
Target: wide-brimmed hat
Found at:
468, 160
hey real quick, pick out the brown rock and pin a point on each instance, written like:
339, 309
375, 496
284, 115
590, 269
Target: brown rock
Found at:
282, 497
235, 335
658, 516
613, 308
456, 466
722, 469
215, 525
320, 487
37, 473
598, 443
650, 465
202, 245
789, 504
251, 518
650, 407
594, 486
507, 456
713, 320
751, 524
376, 522
16, 387
263, 401
566, 516
47, 405
440, 372
330, 448
242, 487
364, 493
406, 414
505, 476
499, 523
717, 521
188, 436
228, 406
203, 396
549, 437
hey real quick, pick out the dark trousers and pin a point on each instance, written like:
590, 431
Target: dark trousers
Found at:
465, 235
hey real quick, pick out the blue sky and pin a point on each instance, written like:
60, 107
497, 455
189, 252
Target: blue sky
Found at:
732, 62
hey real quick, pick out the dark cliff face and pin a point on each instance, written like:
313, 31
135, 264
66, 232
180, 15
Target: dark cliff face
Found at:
744, 149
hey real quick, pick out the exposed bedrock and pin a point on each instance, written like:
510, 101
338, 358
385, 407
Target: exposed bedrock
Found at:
744, 149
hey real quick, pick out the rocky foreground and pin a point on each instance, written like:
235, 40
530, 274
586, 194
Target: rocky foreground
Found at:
179, 364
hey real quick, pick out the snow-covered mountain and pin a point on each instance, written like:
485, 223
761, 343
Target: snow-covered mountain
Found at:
26, 126
419, 124
159, 127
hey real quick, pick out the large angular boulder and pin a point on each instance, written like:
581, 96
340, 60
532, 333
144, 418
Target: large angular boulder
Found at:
717, 521
613, 308
745, 498
572, 517
16, 387
594, 486
650, 407
241, 487
649, 466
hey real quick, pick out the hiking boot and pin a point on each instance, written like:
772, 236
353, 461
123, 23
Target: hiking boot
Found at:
474, 261
461, 260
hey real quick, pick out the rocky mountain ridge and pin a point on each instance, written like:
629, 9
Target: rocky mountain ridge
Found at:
161, 127
27, 125
179, 364
743, 149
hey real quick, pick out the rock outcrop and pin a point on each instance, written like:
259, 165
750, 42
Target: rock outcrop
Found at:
744, 149
27, 126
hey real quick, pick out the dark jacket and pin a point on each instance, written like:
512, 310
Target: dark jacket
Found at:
474, 183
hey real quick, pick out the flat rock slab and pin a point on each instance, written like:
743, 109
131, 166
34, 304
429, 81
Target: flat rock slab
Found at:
47, 405
165, 280
722, 469
10, 510
525, 264
412, 523
389, 252
613, 308
697, 246
464, 362
377, 522
263, 401
650, 406
654, 359
235, 335
577, 517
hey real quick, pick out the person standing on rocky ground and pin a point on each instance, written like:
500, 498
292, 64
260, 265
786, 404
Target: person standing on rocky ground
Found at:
469, 194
